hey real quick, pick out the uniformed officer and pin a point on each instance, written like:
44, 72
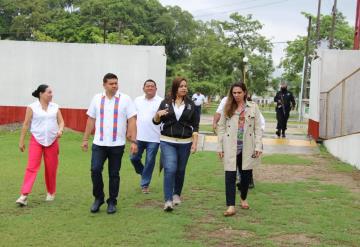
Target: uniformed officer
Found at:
285, 102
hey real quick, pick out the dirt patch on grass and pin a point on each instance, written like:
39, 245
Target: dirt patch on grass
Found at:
10, 127
319, 170
149, 203
229, 233
223, 236
295, 240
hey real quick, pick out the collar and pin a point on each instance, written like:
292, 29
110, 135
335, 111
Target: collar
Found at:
248, 104
39, 104
153, 98
117, 94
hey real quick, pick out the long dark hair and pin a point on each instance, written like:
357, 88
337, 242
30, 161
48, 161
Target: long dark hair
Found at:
175, 86
231, 105
41, 89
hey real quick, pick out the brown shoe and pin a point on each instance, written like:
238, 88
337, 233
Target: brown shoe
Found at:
230, 211
145, 190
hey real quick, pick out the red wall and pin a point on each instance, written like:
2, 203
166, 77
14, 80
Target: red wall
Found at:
11, 114
74, 118
313, 129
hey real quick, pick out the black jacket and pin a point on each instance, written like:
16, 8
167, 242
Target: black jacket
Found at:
187, 123
286, 99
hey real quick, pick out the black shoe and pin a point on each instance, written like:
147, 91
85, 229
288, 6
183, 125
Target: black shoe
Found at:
95, 207
111, 209
278, 133
283, 135
251, 185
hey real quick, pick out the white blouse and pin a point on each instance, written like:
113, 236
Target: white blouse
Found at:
44, 124
178, 110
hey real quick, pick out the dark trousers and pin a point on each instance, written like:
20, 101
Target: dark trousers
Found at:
282, 119
198, 113
98, 158
230, 182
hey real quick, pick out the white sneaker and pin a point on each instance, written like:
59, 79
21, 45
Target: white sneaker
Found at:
22, 200
176, 199
50, 197
168, 207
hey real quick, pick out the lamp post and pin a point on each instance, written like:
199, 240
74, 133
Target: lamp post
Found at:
245, 61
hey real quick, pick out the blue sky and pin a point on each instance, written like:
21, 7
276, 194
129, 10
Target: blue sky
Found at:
282, 19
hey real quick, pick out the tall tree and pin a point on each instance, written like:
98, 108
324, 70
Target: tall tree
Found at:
294, 52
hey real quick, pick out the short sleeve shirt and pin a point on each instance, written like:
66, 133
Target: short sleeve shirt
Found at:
126, 110
146, 109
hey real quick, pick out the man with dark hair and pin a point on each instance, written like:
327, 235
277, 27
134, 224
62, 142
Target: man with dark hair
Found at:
285, 102
114, 116
148, 134
199, 99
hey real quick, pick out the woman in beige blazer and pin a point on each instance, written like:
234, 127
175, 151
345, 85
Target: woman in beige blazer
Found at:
239, 143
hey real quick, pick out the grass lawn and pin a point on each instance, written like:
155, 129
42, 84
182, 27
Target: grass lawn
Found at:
206, 127
307, 213
287, 159
271, 117
210, 108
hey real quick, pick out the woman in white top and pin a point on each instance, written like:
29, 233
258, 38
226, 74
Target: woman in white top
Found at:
46, 126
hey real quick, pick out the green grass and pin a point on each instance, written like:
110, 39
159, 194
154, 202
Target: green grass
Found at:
287, 159
327, 214
210, 109
271, 117
206, 127
336, 164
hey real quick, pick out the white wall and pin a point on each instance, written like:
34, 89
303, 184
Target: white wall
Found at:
75, 71
315, 90
345, 148
336, 65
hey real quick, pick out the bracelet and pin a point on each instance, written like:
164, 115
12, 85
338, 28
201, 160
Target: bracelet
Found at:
132, 141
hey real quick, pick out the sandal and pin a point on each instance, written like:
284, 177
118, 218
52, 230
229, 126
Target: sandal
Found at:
230, 212
244, 205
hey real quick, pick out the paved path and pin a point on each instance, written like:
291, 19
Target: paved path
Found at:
296, 141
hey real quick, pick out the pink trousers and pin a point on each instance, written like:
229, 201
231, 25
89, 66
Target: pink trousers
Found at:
51, 154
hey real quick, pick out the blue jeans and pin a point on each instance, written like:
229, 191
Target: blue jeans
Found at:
147, 169
174, 157
98, 158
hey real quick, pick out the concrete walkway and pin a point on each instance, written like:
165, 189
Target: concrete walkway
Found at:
296, 141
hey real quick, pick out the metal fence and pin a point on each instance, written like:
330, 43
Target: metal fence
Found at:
340, 108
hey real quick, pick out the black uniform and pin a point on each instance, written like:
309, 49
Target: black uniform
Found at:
284, 100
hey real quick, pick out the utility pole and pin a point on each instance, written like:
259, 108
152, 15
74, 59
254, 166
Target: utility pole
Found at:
331, 41
303, 93
120, 26
305, 96
104, 33
357, 27
318, 24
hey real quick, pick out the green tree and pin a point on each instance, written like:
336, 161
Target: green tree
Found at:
243, 32
295, 51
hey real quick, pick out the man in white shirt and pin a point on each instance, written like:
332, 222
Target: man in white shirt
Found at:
148, 134
199, 100
113, 115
